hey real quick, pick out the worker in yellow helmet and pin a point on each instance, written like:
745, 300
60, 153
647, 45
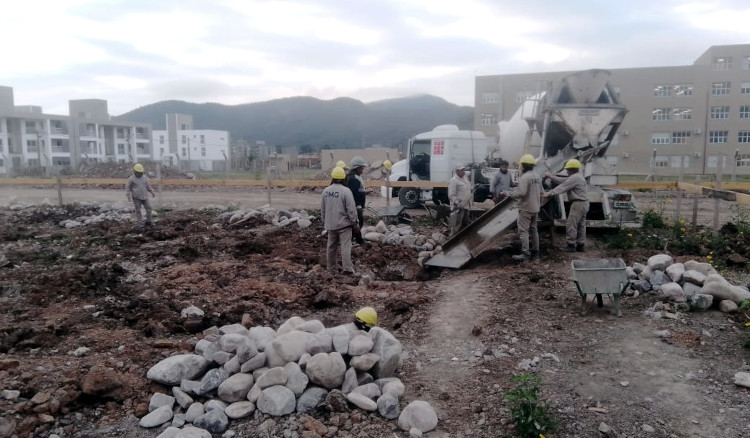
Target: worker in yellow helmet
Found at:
574, 185
527, 193
366, 318
137, 189
341, 164
339, 215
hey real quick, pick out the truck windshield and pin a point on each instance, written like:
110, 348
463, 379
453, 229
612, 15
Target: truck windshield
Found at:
420, 158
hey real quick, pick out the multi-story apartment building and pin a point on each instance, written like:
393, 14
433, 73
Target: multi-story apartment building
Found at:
29, 138
191, 149
689, 119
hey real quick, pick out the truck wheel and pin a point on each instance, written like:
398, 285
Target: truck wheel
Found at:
409, 197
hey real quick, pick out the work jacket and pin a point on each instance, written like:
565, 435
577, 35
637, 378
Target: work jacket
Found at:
459, 192
528, 192
337, 207
574, 185
138, 188
357, 186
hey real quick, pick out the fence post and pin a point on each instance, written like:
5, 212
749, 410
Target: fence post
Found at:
679, 190
696, 196
268, 182
717, 187
158, 183
59, 190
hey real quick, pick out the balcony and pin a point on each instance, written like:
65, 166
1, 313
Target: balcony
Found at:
60, 149
58, 131
88, 133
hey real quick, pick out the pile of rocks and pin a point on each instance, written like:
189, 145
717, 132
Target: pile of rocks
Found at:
691, 285
405, 235
236, 372
278, 218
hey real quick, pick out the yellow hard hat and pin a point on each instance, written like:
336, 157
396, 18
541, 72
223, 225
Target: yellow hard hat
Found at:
388, 165
573, 164
341, 164
527, 159
368, 315
338, 173
138, 167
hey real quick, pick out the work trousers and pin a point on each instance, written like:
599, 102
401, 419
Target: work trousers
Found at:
527, 231
340, 239
458, 220
575, 227
146, 205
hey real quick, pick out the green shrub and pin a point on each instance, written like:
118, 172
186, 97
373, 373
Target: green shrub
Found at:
530, 416
653, 219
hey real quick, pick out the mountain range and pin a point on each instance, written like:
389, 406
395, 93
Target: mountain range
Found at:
341, 123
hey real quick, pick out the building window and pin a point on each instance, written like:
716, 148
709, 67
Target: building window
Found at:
161, 139
662, 90
745, 88
722, 63
720, 88
661, 137
120, 133
203, 139
679, 161
161, 152
184, 151
489, 119
30, 127
719, 112
743, 160
717, 137
683, 90
203, 152
489, 98
184, 139
31, 146
660, 114
681, 137
660, 161
121, 149
745, 112
714, 160
682, 114
743, 137
521, 96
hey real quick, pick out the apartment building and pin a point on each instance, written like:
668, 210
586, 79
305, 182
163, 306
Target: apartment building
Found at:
693, 119
191, 149
33, 140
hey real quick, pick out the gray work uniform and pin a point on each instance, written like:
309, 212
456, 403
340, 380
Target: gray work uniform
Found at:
138, 189
528, 194
501, 182
459, 194
575, 186
339, 215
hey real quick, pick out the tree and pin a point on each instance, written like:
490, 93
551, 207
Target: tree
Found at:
306, 149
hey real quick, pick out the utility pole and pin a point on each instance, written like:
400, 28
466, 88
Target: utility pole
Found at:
39, 147
190, 168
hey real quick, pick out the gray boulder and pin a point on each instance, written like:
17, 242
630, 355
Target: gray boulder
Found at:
310, 399
716, 286
326, 370
211, 380
671, 292
658, 279
694, 277
289, 347
158, 400
181, 397
274, 376
214, 421
277, 401
702, 302
704, 268
659, 262
296, 380
257, 361
194, 411
388, 406
172, 370
321, 342
350, 381
675, 271
728, 306
157, 417
418, 414
359, 345
389, 349
236, 387
364, 362
230, 341
289, 325
234, 329
362, 402
261, 336
240, 409
370, 390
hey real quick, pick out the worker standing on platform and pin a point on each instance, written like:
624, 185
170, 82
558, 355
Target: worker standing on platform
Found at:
459, 194
528, 195
575, 187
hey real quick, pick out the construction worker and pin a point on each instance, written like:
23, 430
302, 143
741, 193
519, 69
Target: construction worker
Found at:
366, 318
357, 186
339, 215
575, 187
459, 195
341, 164
528, 196
501, 182
137, 189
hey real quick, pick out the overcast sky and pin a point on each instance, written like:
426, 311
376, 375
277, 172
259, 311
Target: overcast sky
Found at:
136, 52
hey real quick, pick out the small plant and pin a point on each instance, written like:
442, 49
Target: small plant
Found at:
653, 219
530, 416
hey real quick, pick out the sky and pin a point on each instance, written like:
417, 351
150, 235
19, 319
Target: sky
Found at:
136, 52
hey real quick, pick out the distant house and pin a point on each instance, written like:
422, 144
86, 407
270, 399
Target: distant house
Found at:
191, 149
329, 157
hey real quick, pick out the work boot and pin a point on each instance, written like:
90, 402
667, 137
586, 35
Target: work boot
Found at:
580, 248
569, 248
523, 257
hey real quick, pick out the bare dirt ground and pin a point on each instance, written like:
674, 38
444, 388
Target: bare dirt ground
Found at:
119, 292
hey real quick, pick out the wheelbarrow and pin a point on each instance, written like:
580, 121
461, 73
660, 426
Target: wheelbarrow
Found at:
600, 277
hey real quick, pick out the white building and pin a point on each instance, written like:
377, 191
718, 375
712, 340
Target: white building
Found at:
30, 138
191, 149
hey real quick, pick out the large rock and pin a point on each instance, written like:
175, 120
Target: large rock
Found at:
240, 409
262, 336
418, 414
211, 380
274, 376
102, 382
742, 379
362, 402
158, 400
310, 399
172, 370
389, 349
702, 302
671, 292
364, 362
675, 271
193, 432
257, 361
181, 397
716, 286
229, 342
246, 349
694, 277
388, 406
391, 385
194, 411
658, 279
690, 290
277, 401
234, 329
326, 370
659, 262
236, 387
296, 380
157, 417
370, 390
289, 325
728, 306
321, 342
214, 421
311, 326
350, 381
289, 347
359, 345
704, 268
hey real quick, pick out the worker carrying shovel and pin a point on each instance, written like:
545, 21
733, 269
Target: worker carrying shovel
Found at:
459, 194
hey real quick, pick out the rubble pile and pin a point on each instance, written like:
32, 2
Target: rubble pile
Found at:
271, 215
691, 285
82, 213
236, 372
123, 170
405, 235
